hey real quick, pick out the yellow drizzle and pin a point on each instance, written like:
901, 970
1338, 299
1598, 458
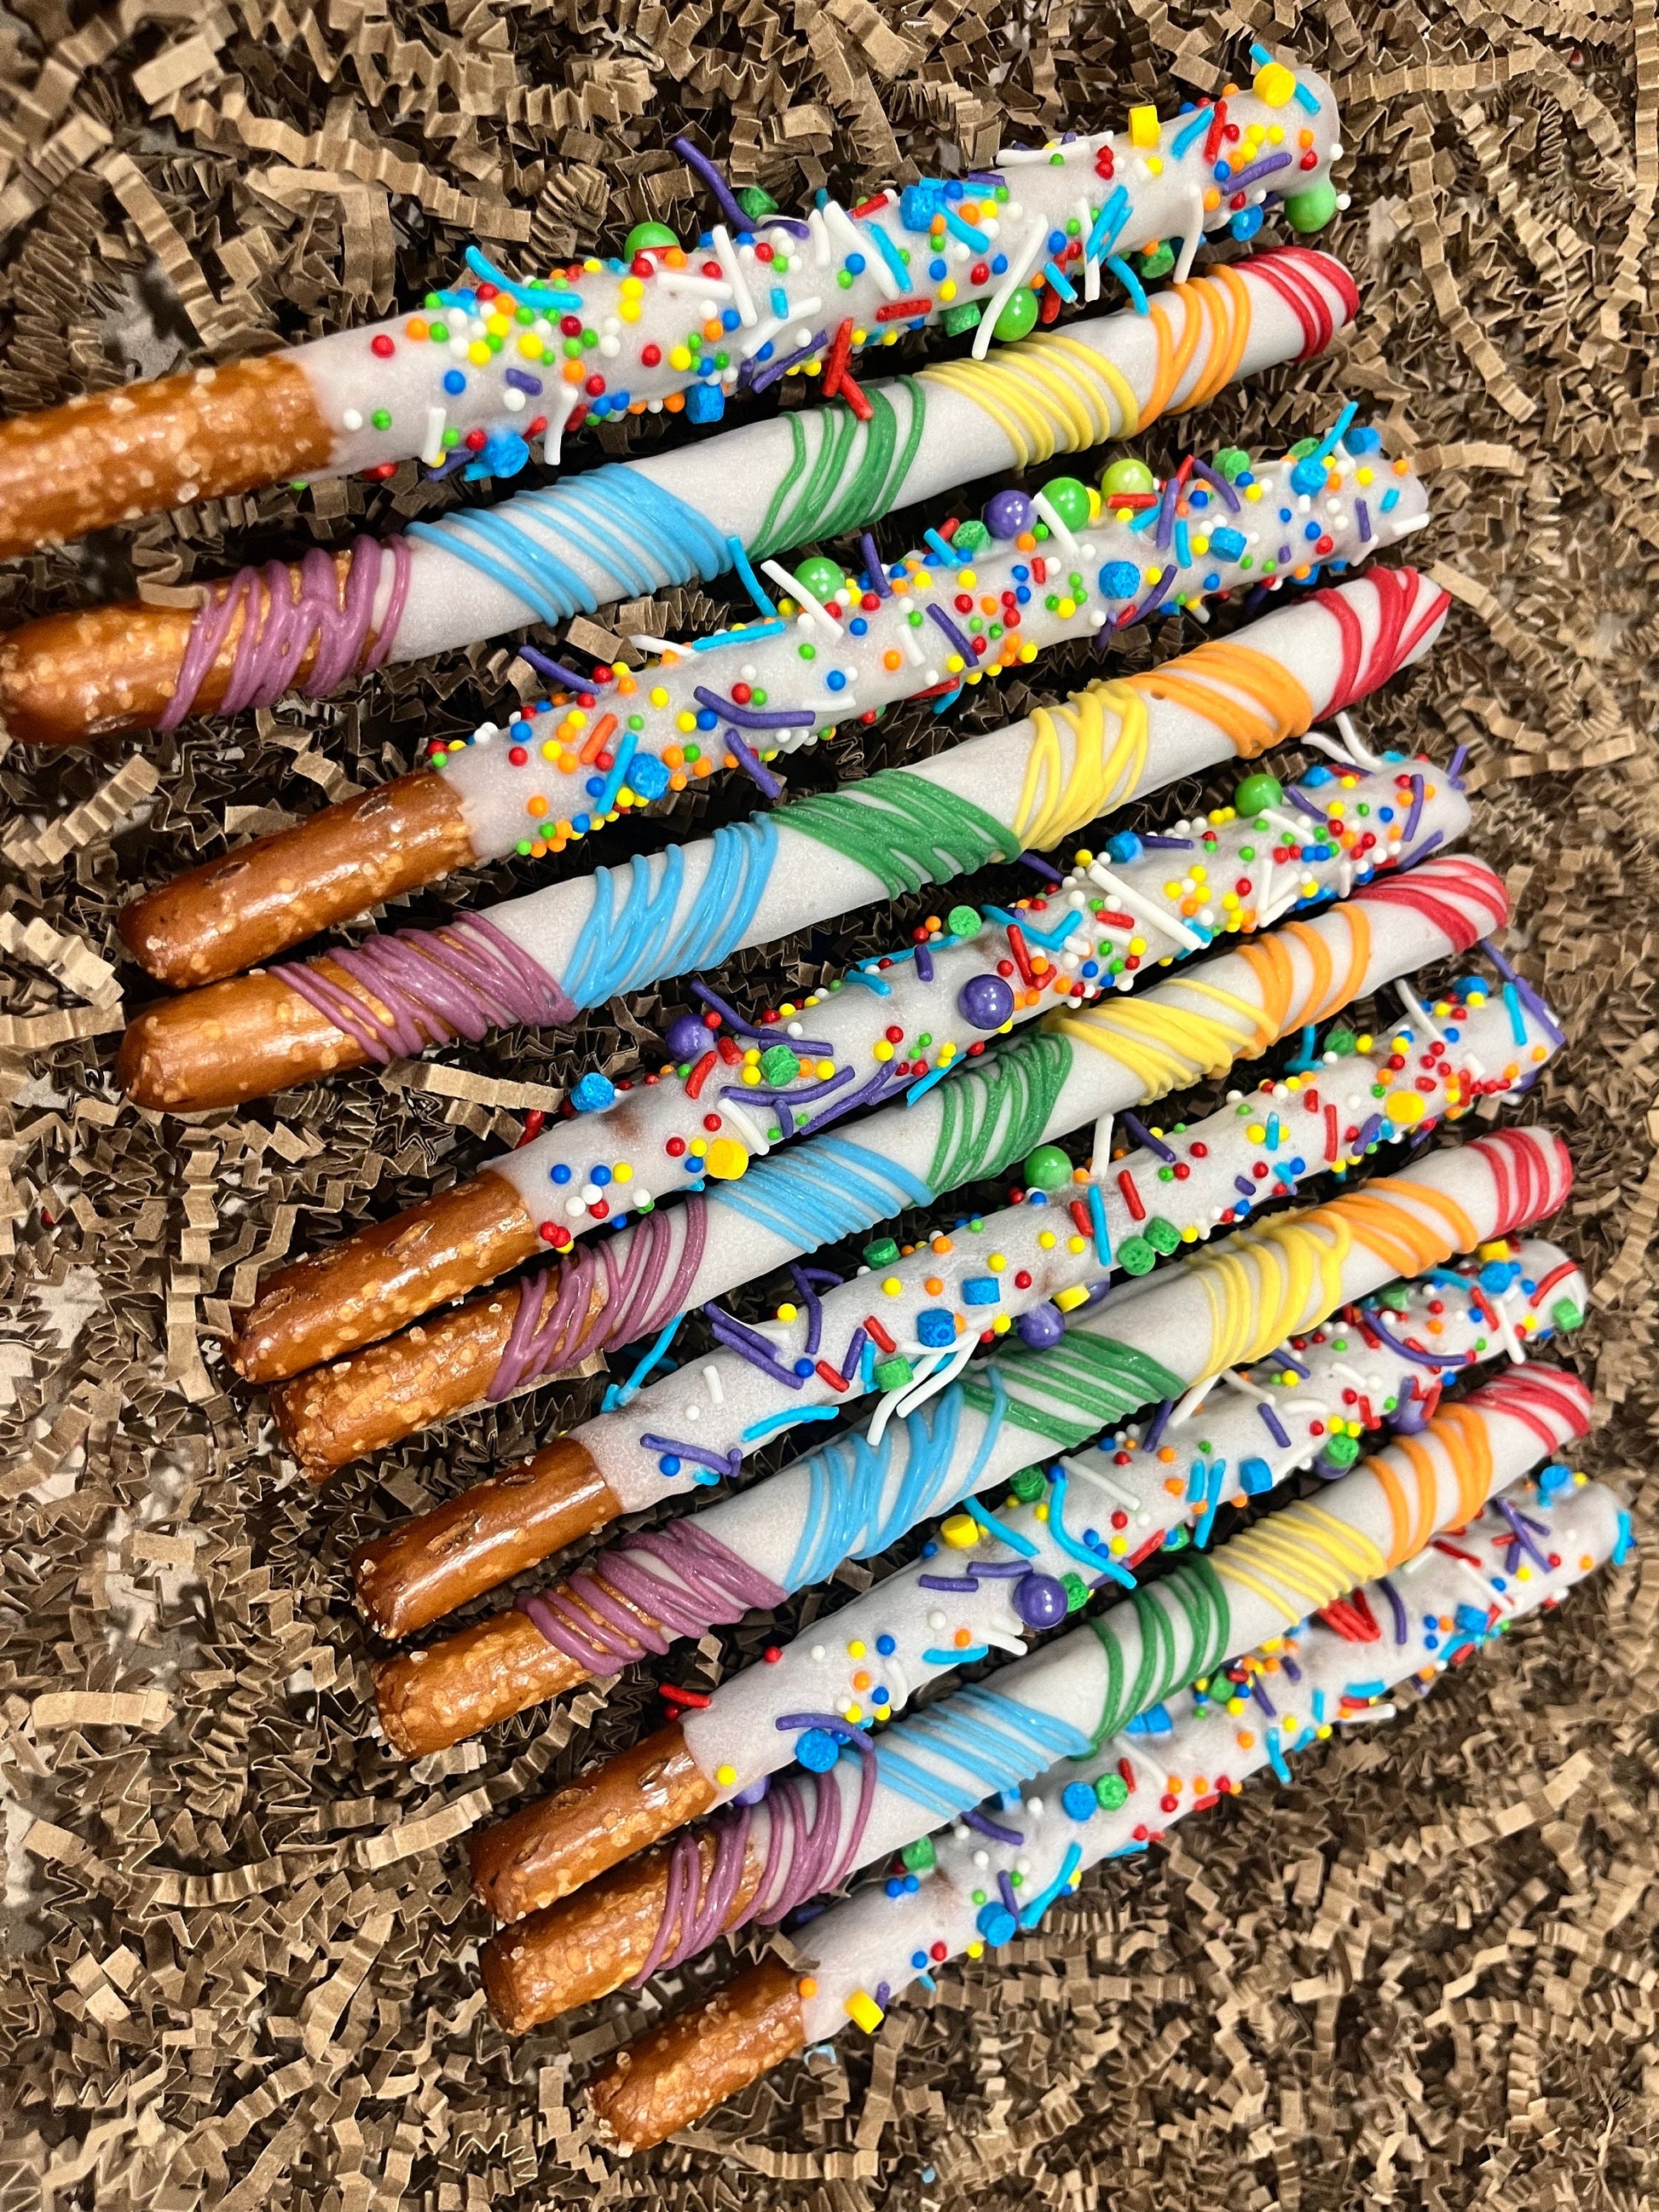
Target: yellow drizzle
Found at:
1107, 729
1300, 1561
1055, 394
1306, 1558
1164, 1046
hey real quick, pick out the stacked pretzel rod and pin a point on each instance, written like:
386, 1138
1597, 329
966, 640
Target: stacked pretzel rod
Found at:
542, 957
1128, 1405
1070, 564
996, 1578
1003, 1866
460, 383
784, 1843
695, 513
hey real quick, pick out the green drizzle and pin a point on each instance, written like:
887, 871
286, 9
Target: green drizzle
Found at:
812, 501
994, 1114
1196, 1590
904, 829
1089, 1383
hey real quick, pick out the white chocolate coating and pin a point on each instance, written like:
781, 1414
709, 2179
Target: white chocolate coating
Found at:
1348, 1382
669, 1132
641, 527
857, 649
738, 1403
689, 325
911, 1634
865, 1949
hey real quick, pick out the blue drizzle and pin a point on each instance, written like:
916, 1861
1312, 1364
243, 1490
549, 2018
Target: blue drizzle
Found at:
629, 941
848, 1479
643, 536
996, 1743
831, 1189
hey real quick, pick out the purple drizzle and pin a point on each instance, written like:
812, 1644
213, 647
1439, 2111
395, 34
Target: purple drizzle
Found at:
614, 1612
463, 980
601, 1296
284, 615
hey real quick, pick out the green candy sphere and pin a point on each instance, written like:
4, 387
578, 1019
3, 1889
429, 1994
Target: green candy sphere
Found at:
822, 576
1136, 1256
972, 538
1257, 792
1018, 317
964, 921
1341, 1451
1127, 476
1070, 501
755, 201
1233, 462
1312, 210
1160, 260
1048, 1168
1111, 1791
645, 235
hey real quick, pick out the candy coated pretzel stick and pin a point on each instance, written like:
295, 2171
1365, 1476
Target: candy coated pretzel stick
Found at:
657, 1910
635, 527
1189, 1323
857, 1044
673, 2076
984, 603
1105, 1057
459, 384
540, 958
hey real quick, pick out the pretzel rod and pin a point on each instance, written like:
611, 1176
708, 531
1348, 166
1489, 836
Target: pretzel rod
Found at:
1148, 1342
431, 1698
630, 528
462, 382
1438, 1613
986, 600
542, 957
1383, 1364
1104, 1057
732, 1098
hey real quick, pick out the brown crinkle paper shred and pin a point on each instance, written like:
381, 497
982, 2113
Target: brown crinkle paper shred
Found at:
242, 1954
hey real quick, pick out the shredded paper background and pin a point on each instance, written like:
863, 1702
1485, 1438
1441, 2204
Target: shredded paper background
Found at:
241, 1963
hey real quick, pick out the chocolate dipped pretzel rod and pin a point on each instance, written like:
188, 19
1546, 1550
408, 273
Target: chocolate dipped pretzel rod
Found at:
630, 528
1151, 1342
894, 1027
845, 646
1020, 1267
480, 368
542, 957
836, 1185
1381, 1364
1346, 1668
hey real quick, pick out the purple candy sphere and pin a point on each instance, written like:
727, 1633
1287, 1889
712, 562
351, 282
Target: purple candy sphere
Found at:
1040, 1601
686, 1038
1042, 1327
754, 1792
986, 1001
1007, 512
